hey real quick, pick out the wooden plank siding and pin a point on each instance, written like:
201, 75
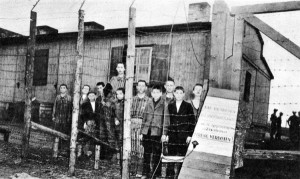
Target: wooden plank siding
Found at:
261, 101
184, 67
252, 55
96, 61
246, 107
45, 93
67, 65
9, 65
20, 73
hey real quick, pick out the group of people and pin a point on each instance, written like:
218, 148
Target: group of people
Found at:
162, 118
294, 129
276, 125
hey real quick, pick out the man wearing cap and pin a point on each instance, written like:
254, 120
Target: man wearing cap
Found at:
273, 124
293, 122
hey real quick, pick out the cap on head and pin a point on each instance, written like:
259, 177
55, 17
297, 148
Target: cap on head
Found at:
275, 110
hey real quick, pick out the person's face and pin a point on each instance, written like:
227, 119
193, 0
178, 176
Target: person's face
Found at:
63, 89
92, 97
120, 95
141, 87
100, 89
170, 86
85, 90
120, 68
197, 90
156, 94
179, 95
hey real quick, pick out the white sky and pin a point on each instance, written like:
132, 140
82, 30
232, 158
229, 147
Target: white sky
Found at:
63, 15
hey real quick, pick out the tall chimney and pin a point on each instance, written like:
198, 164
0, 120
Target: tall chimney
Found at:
199, 12
44, 30
92, 26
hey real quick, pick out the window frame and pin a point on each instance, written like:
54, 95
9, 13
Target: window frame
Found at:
137, 67
36, 81
247, 87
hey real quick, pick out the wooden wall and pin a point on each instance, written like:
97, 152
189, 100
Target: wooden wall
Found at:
12, 72
257, 107
261, 101
184, 67
253, 48
246, 107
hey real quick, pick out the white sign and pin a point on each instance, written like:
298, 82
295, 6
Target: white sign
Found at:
215, 128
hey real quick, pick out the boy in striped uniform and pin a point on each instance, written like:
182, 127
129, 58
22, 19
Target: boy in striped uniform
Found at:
137, 111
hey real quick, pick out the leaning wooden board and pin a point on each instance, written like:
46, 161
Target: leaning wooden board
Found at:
214, 132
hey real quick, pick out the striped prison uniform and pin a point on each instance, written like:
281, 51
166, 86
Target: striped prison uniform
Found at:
117, 82
137, 112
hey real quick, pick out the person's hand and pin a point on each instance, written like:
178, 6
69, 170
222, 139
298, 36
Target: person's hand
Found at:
85, 126
53, 119
117, 122
188, 139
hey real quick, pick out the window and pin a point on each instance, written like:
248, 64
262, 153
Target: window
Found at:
151, 62
40, 72
142, 65
247, 86
118, 54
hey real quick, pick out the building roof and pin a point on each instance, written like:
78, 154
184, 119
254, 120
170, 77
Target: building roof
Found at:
262, 49
121, 32
4, 33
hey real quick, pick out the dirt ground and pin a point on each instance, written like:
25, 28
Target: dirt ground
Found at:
40, 164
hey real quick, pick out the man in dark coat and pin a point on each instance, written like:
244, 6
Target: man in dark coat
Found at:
278, 126
182, 123
89, 117
181, 128
293, 122
273, 124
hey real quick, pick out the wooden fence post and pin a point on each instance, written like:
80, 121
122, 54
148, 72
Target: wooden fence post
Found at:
128, 93
28, 83
77, 84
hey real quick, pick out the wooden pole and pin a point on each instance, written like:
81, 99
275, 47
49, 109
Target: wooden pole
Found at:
128, 93
271, 154
97, 156
77, 84
55, 147
28, 83
98, 141
50, 131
